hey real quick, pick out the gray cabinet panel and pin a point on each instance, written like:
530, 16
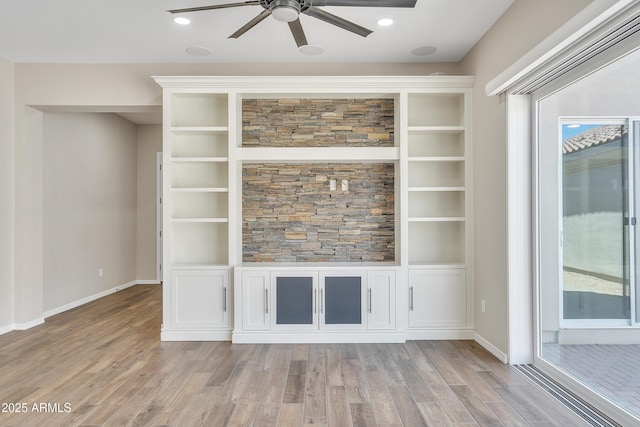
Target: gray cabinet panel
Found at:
294, 300
343, 300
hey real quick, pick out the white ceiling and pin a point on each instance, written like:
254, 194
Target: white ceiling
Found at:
141, 31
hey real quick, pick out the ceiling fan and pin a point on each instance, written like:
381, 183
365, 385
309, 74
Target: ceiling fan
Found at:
289, 11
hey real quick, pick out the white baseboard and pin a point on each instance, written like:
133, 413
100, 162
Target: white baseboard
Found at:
333, 337
195, 335
28, 325
491, 348
439, 334
148, 282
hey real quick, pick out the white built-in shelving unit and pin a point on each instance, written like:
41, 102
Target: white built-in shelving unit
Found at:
209, 294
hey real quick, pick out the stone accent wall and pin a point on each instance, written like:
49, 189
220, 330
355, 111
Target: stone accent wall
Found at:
318, 122
289, 213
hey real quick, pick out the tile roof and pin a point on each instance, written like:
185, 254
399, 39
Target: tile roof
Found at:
592, 137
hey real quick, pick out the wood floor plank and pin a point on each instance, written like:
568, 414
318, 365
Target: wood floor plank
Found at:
338, 411
362, 415
482, 414
291, 415
434, 415
407, 407
315, 394
106, 360
296, 379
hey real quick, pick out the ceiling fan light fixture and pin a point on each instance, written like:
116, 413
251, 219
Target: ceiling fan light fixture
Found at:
285, 10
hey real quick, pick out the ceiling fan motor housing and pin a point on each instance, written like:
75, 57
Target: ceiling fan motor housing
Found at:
285, 10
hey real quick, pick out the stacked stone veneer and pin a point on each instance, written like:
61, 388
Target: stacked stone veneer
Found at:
289, 213
318, 122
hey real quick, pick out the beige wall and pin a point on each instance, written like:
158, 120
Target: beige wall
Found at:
149, 144
522, 27
6, 193
89, 205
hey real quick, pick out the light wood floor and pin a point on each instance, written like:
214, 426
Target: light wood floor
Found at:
105, 362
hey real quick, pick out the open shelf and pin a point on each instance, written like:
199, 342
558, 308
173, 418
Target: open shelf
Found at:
199, 110
436, 173
436, 109
423, 143
199, 242
199, 175
436, 204
199, 143
199, 205
436, 242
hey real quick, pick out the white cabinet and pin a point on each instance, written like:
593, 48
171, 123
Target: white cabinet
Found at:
381, 300
256, 303
310, 305
196, 215
437, 298
199, 299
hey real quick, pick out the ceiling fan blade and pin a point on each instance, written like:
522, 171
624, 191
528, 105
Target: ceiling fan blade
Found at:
218, 6
337, 21
366, 3
249, 25
298, 33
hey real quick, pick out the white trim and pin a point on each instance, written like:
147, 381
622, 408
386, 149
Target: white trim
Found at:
519, 238
149, 282
6, 329
584, 23
490, 348
313, 84
332, 337
195, 335
28, 325
85, 300
439, 334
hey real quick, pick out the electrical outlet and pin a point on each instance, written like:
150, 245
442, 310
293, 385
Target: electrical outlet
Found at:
345, 185
332, 185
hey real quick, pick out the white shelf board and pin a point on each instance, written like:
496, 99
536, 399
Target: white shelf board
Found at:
190, 129
436, 130
426, 264
196, 266
436, 188
437, 159
318, 154
199, 220
200, 189
199, 159
438, 219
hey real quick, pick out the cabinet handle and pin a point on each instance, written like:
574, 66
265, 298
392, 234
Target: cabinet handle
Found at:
411, 298
266, 301
315, 305
321, 301
369, 300
224, 298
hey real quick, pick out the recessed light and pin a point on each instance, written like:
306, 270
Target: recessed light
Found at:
311, 50
198, 51
424, 50
385, 22
182, 20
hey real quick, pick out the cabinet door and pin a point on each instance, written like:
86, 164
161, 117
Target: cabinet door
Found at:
294, 300
255, 301
199, 299
381, 300
342, 300
437, 298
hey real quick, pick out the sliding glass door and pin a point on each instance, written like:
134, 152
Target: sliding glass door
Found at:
595, 228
